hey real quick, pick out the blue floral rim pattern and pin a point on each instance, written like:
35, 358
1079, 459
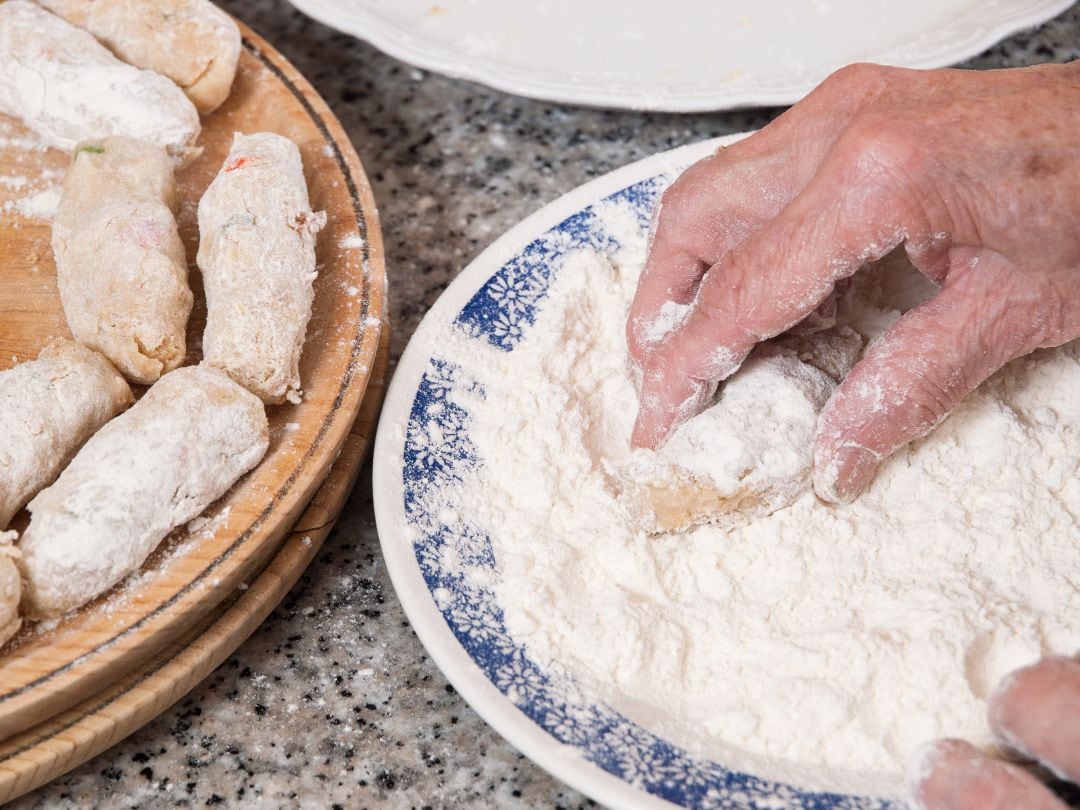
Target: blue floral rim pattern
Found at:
438, 451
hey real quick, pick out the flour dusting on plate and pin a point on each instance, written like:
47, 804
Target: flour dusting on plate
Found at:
819, 645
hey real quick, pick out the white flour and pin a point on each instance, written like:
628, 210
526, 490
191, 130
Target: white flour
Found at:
750, 452
820, 645
39, 205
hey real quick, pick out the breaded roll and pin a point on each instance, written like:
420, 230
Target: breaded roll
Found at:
121, 267
48, 408
153, 468
192, 42
257, 256
67, 87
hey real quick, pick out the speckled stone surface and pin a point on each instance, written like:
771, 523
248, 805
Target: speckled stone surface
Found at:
333, 702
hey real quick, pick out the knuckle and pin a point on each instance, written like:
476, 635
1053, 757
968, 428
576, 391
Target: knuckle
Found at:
1012, 313
859, 79
922, 399
888, 402
713, 305
691, 186
877, 145
675, 207
855, 73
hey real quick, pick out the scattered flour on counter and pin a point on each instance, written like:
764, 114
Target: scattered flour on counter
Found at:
819, 645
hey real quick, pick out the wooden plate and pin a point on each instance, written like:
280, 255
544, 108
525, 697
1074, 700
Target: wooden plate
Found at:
43, 753
48, 669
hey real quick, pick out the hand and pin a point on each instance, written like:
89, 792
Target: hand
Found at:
976, 173
1036, 713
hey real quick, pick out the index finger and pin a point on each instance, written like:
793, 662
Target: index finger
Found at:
721, 201
713, 206
848, 215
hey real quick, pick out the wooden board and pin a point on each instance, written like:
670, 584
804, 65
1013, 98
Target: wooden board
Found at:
65, 741
46, 670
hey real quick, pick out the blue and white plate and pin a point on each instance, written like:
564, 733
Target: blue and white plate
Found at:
423, 440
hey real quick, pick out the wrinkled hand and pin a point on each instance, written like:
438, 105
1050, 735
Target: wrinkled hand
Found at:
976, 173
1036, 713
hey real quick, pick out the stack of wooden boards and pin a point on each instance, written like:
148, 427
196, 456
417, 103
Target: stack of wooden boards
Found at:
105, 484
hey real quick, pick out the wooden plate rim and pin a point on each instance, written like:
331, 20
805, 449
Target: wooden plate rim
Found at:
372, 303
190, 661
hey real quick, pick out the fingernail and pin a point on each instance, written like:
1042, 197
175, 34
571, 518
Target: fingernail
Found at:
1014, 711
920, 767
850, 471
996, 705
639, 437
645, 433
655, 424
939, 772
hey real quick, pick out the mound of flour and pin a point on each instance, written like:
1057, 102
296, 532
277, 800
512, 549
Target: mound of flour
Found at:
818, 644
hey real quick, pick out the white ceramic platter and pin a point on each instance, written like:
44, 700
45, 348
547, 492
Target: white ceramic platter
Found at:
423, 440
678, 55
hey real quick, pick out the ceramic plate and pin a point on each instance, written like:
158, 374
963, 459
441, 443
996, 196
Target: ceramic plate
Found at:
423, 440
680, 55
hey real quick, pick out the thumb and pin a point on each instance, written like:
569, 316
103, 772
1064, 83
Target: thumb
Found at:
986, 314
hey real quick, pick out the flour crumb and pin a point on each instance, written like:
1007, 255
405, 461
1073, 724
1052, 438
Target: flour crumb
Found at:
203, 528
37, 205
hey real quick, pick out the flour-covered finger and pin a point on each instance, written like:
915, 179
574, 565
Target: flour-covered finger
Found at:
67, 87
1036, 711
192, 42
954, 775
851, 213
713, 206
911, 379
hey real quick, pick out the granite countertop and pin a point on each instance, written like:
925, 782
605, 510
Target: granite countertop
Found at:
333, 702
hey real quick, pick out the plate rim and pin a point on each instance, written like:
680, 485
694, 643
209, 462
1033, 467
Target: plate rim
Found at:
71, 680
62, 743
401, 44
496, 709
